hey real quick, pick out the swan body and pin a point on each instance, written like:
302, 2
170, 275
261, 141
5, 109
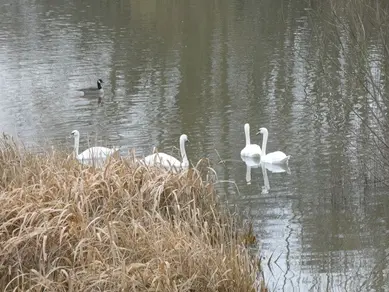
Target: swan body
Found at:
276, 157
93, 154
96, 152
167, 161
250, 150
93, 90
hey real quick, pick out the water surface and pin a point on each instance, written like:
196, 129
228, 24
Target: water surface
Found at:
204, 68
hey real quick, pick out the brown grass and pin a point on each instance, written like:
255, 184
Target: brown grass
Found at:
64, 227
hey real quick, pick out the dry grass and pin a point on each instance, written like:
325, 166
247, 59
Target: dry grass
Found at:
64, 227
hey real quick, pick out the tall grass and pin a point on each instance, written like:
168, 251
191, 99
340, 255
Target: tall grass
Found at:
64, 227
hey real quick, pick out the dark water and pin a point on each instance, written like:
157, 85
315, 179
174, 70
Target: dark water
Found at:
204, 68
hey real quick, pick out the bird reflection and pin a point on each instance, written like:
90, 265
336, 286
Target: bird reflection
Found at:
276, 168
266, 184
100, 101
252, 162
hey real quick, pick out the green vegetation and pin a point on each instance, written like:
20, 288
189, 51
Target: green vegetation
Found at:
67, 227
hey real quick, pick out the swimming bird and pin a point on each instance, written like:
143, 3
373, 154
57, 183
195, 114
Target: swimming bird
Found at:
91, 155
167, 161
251, 150
276, 157
94, 90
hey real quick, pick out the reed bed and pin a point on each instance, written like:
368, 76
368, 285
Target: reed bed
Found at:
67, 227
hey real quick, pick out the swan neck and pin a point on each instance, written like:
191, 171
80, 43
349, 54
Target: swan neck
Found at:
183, 152
76, 144
264, 143
247, 134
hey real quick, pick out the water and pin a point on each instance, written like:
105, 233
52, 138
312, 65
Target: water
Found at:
205, 68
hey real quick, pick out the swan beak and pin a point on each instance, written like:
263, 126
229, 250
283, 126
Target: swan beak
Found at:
259, 132
188, 141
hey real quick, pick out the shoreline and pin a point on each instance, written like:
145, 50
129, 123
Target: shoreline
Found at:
68, 227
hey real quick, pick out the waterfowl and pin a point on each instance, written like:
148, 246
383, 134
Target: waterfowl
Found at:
251, 150
93, 90
167, 161
91, 155
276, 157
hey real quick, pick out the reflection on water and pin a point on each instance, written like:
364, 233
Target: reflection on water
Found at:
255, 162
204, 69
251, 162
266, 184
277, 168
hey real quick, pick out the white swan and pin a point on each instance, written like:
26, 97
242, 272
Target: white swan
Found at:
91, 155
251, 150
276, 157
167, 161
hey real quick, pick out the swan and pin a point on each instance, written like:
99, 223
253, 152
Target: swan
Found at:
276, 157
167, 161
91, 154
256, 162
251, 150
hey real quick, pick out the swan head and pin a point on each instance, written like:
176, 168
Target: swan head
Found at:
246, 127
184, 138
262, 131
75, 133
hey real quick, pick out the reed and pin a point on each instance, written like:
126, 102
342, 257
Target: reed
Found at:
67, 227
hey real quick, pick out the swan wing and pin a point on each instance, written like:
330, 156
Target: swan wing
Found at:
162, 159
252, 150
276, 157
95, 153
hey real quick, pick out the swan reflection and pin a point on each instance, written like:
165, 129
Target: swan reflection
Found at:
276, 168
254, 162
251, 162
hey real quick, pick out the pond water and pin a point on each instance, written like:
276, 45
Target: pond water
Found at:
204, 68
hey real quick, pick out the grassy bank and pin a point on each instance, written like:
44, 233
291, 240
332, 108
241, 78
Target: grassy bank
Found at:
64, 227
